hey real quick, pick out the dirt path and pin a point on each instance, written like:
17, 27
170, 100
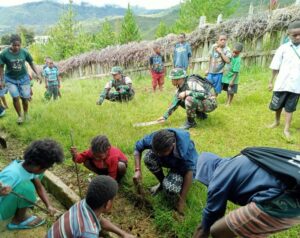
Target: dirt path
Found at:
131, 216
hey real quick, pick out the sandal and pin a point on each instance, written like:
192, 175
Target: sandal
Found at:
26, 223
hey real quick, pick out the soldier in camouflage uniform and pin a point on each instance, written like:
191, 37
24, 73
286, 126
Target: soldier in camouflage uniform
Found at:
193, 94
122, 85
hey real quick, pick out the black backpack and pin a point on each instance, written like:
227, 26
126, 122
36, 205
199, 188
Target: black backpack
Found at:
209, 88
283, 164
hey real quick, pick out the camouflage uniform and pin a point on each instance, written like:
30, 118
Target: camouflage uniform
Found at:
123, 89
199, 98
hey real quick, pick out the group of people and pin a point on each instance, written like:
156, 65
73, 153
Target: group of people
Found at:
17, 81
269, 201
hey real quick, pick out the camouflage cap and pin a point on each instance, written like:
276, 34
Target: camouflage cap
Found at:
116, 70
177, 73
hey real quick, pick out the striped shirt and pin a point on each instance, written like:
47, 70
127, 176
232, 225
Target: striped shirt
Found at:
80, 222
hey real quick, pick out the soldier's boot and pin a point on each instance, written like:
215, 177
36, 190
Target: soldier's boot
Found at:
189, 123
202, 115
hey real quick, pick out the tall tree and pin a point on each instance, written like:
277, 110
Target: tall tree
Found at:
26, 34
62, 35
162, 30
129, 30
191, 10
106, 36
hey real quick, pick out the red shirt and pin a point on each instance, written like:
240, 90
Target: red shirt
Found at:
114, 155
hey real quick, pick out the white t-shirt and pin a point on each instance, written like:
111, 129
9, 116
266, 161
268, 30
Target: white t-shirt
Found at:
288, 63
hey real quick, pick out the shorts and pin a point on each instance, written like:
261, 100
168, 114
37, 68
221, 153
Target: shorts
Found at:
157, 79
18, 88
232, 90
251, 222
216, 81
286, 100
3, 91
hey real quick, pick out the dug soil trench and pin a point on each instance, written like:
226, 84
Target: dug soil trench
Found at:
129, 212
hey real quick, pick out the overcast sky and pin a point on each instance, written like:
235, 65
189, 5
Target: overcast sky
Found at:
150, 4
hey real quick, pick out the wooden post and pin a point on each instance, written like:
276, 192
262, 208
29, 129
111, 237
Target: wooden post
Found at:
251, 11
202, 21
220, 19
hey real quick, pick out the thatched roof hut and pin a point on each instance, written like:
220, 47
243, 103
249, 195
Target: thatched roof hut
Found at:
136, 54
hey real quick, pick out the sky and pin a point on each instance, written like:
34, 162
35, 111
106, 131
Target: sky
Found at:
149, 4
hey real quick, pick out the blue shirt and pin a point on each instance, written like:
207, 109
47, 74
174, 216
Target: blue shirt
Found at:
14, 174
181, 160
238, 180
51, 75
182, 53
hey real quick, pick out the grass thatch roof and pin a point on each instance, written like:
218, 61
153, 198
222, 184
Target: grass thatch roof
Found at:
138, 53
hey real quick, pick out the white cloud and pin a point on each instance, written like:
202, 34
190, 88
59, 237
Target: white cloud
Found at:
149, 4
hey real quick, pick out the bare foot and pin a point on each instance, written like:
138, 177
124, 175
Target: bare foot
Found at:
287, 134
273, 125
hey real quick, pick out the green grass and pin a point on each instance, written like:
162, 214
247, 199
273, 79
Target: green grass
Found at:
226, 132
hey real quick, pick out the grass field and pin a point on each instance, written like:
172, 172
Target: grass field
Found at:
225, 132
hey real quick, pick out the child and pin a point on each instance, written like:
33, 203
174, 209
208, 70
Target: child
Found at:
157, 68
231, 78
122, 85
52, 80
84, 218
16, 76
182, 53
219, 55
266, 206
173, 149
47, 60
102, 158
286, 70
23, 177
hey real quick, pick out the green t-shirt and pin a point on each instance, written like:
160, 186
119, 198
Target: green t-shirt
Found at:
284, 206
233, 67
15, 63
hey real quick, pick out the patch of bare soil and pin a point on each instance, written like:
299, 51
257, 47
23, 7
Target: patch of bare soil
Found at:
132, 213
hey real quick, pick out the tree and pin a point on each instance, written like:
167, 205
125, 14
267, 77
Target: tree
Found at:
161, 30
62, 35
26, 34
129, 30
5, 39
191, 10
106, 36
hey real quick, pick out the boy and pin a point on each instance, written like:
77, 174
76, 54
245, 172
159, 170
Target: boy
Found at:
23, 177
121, 83
52, 80
182, 53
16, 77
286, 69
157, 68
47, 60
231, 78
193, 95
219, 56
102, 158
83, 219
267, 207
173, 149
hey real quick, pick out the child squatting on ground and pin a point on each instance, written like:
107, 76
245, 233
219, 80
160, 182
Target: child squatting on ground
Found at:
24, 177
83, 219
102, 158
231, 78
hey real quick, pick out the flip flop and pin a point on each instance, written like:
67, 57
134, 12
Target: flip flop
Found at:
25, 224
